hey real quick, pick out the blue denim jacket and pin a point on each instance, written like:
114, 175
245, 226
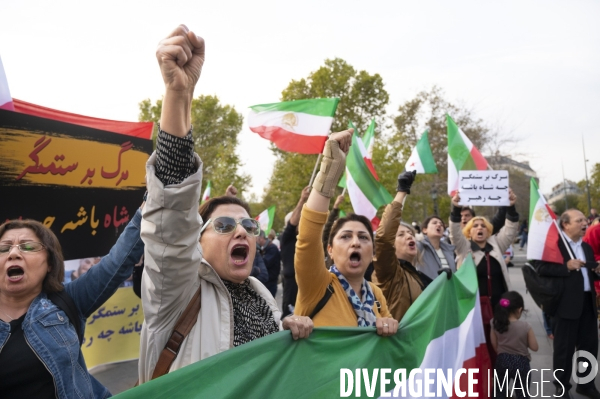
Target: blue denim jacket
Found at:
54, 339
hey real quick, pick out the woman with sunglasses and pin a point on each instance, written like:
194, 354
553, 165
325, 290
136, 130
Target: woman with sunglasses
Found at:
183, 254
40, 318
349, 300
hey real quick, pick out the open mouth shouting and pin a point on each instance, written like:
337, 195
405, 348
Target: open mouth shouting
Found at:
239, 254
15, 273
355, 258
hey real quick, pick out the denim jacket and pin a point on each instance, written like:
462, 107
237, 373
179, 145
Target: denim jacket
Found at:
48, 330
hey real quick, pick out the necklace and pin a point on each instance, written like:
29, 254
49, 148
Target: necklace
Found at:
7, 315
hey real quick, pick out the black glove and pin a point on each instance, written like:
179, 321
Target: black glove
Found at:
446, 270
405, 180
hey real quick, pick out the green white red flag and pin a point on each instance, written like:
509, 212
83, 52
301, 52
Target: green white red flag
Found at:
543, 231
297, 126
366, 193
442, 330
368, 142
266, 219
462, 155
421, 158
206, 194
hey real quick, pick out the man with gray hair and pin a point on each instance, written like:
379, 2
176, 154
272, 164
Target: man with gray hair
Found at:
574, 324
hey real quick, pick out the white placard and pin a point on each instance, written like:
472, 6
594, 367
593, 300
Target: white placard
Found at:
483, 187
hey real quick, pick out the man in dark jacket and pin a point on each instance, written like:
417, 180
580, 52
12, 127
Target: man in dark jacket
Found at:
272, 259
288, 251
574, 324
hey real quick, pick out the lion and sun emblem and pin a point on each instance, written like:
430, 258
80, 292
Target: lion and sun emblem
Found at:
290, 120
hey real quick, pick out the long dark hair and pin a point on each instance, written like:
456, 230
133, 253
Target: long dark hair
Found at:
509, 303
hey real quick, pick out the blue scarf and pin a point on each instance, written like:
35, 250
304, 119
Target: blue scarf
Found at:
363, 306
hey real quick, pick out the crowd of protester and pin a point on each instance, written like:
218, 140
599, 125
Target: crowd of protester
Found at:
214, 268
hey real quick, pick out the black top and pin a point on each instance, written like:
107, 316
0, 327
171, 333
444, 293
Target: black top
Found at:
287, 242
22, 373
498, 284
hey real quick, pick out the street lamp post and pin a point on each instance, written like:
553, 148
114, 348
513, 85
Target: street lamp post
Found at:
587, 182
434, 198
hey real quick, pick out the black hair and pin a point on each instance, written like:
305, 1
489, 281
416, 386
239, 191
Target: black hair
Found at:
509, 303
429, 219
471, 210
206, 209
351, 217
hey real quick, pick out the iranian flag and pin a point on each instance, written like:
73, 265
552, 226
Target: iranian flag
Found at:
206, 195
462, 155
543, 230
266, 219
297, 126
368, 142
6, 101
421, 158
442, 330
366, 193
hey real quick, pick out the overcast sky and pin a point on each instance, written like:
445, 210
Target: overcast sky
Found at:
530, 66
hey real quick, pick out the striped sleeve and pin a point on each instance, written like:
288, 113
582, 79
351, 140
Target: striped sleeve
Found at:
174, 157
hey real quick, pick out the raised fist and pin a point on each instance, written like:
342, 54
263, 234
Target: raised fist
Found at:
344, 139
405, 181
181, 56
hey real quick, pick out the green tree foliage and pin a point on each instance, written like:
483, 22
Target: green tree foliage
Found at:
362, 97
215, 132
426, 111
581, 201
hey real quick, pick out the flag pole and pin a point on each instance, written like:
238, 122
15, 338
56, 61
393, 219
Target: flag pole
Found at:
344, 191
312, 178
562, 236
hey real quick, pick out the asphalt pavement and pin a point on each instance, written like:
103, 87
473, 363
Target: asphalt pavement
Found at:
122, 376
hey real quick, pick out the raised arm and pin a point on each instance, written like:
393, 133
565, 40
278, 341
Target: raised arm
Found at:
171, 224
456, 236
311, 276
386, 263
333, 216
508, 233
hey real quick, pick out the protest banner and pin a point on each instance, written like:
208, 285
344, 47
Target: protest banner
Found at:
483, 187
112, 333
83, 183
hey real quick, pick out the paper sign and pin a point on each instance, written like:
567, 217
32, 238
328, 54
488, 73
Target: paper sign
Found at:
483, 187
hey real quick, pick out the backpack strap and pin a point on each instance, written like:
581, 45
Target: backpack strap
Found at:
182, 328
65, 303
328, 292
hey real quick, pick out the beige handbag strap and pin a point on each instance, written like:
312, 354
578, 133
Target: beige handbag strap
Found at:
182, 328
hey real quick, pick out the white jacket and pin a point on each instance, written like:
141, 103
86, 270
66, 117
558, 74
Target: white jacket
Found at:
173, 270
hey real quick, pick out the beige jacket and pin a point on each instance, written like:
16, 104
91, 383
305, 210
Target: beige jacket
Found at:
500, 242
174, 269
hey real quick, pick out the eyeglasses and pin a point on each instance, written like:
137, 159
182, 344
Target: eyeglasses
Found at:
25, 247
226, 225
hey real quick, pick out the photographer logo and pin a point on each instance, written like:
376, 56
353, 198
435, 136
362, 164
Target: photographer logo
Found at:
589, 365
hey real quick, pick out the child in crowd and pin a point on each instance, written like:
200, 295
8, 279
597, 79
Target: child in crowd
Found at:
510, 338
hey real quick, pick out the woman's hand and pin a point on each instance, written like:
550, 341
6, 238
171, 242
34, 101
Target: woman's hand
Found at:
181, 57
299, 326
456, 200
386, 326
512, 197
344, 138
